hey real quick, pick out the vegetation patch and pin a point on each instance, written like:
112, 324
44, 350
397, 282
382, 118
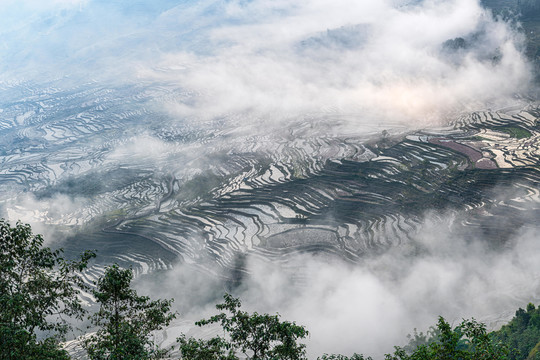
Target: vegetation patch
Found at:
515, 131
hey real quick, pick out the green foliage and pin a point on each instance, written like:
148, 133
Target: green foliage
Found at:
20, 344
216, 348
522, 333
259, 337
468, 341
515, 131
125, 320
419, 338
535, 353
37, 288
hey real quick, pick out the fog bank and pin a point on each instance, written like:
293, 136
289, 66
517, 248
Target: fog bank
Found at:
371, 306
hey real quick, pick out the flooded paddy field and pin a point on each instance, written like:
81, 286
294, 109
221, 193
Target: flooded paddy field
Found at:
110, 170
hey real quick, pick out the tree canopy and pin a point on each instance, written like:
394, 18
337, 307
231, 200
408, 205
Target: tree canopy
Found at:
257, 336
125, 320
522, 334
468, 341
38, 289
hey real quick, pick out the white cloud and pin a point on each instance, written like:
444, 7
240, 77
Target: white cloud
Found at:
260, 63
370, 306
54, 217
274, 60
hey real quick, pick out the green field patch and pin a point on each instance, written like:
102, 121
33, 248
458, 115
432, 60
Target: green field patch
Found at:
515, 131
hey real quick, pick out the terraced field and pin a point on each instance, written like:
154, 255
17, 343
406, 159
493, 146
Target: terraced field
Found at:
108, 169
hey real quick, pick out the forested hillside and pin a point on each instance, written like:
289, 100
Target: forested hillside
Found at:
522, 334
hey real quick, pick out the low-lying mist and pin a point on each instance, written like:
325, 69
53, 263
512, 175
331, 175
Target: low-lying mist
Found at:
413, 63
410, 62
371, 306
